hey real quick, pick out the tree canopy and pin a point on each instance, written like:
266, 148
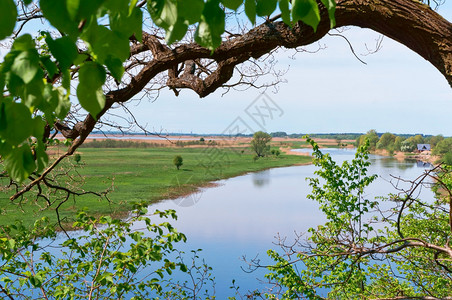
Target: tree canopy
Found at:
260, 143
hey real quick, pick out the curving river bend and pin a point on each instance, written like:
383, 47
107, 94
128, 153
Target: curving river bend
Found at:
242, 215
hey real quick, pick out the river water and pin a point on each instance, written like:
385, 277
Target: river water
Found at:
241, 216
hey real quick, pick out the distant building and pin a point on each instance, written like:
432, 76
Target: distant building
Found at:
423, 147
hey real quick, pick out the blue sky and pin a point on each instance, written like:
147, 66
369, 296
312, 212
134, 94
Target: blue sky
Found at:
328, 91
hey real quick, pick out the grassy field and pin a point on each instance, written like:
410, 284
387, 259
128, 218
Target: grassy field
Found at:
134, 175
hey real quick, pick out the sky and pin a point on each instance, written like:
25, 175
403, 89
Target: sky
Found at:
326, 92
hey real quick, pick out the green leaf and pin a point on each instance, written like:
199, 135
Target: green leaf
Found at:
36, 280
2, 79
81, 58
15, 85
115, 67
38, 127
66, 82
265, 7
285, 11
88, 8
232, 4
26, 65
23, 43
3, 123
306, 11
89, 91
132, 6
55, 103
117, 6
211, 26
128, 24
16, 122
250, 10
176, 32
64, 50
8, 15
190, 10
55, 11
64, 105
72, 8
331, 6
49, 65
92, 75
163, 12
20, 163
183, 267
32, 92
104, 43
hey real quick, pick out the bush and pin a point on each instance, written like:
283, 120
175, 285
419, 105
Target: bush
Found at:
407, 146
447, 159
178, 161
275, 152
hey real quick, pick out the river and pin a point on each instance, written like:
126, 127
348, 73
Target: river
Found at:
241, 216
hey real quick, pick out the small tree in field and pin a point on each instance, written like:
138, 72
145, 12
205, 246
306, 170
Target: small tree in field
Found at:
260, 143
178, 161
77, 158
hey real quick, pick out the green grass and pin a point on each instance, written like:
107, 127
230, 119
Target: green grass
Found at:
141, 175
291, 144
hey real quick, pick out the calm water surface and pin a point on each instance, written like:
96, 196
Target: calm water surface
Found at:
241, 216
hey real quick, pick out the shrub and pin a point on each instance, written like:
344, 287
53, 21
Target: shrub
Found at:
178, 161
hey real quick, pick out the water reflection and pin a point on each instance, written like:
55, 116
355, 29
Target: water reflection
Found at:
243, 215
423, 164
390, 162
261, 179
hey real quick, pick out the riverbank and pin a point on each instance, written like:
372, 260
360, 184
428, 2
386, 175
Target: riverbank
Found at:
129, 175
425, 156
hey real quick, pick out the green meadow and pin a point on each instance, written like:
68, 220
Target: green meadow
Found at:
134, 175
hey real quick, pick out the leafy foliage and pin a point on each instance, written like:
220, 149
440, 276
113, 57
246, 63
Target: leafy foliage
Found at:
260, 143
178, 161
364, 251
107, 259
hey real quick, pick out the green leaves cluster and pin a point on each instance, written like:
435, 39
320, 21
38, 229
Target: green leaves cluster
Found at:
176, 15
37, 72
339, 189
363, 251
260, 143
341, 192
108, 259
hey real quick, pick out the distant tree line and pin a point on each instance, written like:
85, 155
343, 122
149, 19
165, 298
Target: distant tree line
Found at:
440, 145
113, 143
334, 136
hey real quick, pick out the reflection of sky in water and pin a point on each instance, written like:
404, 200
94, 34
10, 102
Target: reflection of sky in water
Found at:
243, 215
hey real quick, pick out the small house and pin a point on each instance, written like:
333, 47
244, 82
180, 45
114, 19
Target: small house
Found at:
423, 147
